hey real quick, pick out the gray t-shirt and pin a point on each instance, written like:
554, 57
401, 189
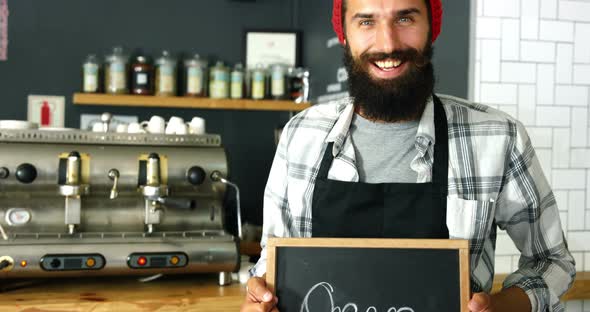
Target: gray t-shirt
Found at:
384, 151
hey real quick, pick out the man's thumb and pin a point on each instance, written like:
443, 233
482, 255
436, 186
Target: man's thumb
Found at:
479, 302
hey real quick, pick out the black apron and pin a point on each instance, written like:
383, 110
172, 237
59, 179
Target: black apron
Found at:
385, 210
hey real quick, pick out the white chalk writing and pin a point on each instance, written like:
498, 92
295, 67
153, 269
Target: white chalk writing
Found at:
349, 307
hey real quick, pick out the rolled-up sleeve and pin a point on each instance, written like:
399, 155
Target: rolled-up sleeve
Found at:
275, 204
527, 210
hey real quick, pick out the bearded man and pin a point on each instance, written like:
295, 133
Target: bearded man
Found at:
362, 167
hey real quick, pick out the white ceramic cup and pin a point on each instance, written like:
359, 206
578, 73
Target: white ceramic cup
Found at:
181, 129
196, 126
122, 128
98, 127
176, 125
156, 125
135, 127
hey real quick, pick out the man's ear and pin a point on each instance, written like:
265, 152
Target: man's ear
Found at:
344, 41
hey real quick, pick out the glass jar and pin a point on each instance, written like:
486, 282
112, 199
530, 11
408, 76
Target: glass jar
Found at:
165, 75
91, 75
219, 81
116, 72
142, 75
277, 81
258, 82
237, 82
195, 76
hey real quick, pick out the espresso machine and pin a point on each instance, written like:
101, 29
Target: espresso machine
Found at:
78, 203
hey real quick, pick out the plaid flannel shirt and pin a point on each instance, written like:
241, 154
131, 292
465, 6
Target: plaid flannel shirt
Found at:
494, 181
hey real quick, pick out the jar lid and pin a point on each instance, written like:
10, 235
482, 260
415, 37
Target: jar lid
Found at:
92, 59
117, 55
219, 66
196, 60
142, 59
166, 59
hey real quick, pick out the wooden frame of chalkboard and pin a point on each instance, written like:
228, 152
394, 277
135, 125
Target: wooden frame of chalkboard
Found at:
281, 251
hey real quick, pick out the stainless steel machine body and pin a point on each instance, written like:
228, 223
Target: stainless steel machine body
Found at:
77, 203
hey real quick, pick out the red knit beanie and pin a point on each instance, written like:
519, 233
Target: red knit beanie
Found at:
435, 7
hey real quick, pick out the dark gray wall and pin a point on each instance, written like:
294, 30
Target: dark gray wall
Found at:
451, 56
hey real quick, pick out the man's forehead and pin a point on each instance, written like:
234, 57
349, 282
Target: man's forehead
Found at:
383, 6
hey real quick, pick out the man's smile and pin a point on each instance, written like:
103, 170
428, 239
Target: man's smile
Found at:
387, 69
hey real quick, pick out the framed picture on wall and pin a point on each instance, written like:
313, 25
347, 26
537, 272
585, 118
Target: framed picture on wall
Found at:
267, 47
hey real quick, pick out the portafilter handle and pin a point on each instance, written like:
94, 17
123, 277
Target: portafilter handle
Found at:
216, 176
114, 175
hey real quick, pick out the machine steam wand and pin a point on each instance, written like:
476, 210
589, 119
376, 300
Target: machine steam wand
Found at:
216, 176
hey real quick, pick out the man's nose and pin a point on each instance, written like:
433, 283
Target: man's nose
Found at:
387, 38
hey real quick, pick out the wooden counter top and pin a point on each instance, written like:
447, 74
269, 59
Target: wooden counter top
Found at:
169, 293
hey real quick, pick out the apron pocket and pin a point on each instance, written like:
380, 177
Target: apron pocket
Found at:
469, 219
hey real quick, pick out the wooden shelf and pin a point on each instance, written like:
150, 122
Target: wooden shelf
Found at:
185, 102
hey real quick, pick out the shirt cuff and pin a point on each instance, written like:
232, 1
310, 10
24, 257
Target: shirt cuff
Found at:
534, 286
259, 269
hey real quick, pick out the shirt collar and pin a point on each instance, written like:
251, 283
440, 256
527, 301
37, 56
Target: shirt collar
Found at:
424, 137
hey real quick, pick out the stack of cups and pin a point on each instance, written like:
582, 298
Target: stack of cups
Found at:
158, 125
196, 126
176, 125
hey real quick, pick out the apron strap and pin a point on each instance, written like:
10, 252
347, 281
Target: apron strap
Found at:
326, 162
440, 168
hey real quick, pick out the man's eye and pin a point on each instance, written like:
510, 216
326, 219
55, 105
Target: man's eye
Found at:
404, 20
366, 23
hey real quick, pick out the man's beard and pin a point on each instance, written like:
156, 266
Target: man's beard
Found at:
399, 99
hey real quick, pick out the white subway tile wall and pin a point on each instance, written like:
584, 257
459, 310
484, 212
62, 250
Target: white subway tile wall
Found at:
581, 44
533, 62
579, 127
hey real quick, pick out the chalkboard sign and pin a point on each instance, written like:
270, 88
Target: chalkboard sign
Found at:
368, 275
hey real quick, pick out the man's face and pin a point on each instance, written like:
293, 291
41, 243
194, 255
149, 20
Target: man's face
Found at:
377, 28
387, 55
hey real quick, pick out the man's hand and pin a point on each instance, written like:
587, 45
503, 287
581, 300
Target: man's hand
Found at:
259, 298
509, 299
481, 302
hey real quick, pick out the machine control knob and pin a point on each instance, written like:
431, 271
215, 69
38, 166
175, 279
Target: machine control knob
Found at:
55, 263
6, 263
26, 173
195, 175
4, 173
